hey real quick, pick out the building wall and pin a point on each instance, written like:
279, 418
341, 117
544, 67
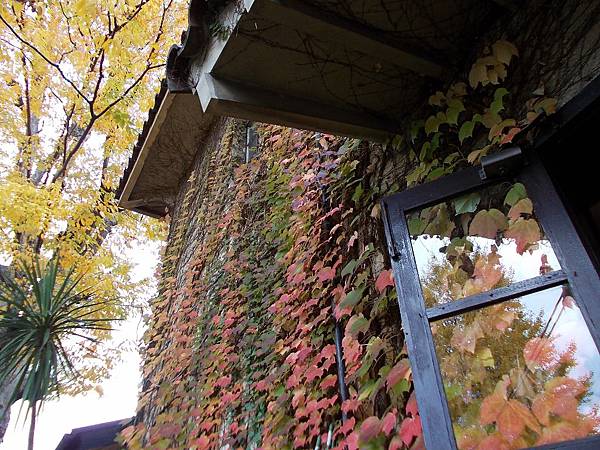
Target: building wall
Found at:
241, 350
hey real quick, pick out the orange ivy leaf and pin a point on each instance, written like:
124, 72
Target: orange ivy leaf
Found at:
494, 442
523, 206
385, 279
559, 398
564, 431
508, 137
525, 232
487, 223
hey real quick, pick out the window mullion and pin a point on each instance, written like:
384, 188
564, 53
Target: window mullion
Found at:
498, 295
581, 274
433, 408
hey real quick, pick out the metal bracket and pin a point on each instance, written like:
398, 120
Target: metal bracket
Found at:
501, 164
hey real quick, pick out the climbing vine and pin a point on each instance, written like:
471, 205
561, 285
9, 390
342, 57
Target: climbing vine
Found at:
266, 257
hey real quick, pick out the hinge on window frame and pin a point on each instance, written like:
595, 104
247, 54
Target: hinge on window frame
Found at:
501, 164
393, 249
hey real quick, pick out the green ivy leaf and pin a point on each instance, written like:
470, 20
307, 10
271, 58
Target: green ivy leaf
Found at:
516, 193
349, 268
467, 203
367, 390
358, 191
352, 298
416, 226
466, 130
357, 324
436, 173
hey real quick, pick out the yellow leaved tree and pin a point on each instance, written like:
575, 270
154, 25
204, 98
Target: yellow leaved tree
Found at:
76, 77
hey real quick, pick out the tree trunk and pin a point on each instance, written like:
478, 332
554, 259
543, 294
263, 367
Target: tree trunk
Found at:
6, 391
32, 426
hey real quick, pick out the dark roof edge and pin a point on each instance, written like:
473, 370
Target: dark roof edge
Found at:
158, 99
179, 60
193, 46
72, 440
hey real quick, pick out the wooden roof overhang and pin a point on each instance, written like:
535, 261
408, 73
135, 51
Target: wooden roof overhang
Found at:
354, 68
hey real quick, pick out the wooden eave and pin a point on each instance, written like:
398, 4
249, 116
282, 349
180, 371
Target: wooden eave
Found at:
165, 150
348, 68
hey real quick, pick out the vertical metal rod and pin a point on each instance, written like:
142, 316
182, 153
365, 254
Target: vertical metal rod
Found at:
338, 335
341, 367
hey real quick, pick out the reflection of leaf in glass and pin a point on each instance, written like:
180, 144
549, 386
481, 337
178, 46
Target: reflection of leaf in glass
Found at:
560, 401
511, 416
485, 357
466, 340
539, 352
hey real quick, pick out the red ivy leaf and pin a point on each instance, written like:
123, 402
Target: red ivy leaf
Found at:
348, 426
223, 381
369, 429
411, 406
350, 405
329, 381
395, 443
400, 371
388, 423
312, 373
202, 443
385, 279
409, 429
326, 274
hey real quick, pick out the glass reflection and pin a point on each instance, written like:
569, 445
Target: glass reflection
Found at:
521, 373
478, 242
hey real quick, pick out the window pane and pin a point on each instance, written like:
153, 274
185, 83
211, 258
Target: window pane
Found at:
478, 242
521, 373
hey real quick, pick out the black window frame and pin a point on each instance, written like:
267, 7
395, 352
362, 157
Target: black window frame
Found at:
577, 270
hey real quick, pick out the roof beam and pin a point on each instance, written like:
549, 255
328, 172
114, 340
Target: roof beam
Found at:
306, 18
229, 98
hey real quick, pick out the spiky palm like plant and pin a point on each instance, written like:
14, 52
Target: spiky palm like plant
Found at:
38, 313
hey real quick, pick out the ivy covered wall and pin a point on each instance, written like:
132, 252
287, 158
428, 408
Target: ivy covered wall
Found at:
264, 258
